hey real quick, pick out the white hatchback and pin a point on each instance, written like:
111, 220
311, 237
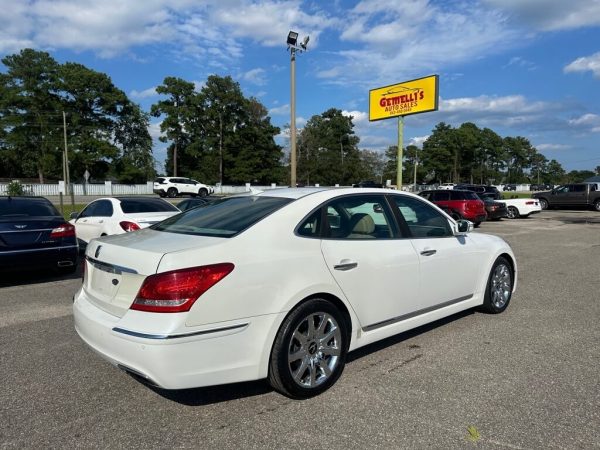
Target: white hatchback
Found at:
117, 215
282, 285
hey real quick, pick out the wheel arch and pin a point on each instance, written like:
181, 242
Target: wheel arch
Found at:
333, 299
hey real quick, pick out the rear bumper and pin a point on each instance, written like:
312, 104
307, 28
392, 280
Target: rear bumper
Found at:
214, 354
476, 218
65, 256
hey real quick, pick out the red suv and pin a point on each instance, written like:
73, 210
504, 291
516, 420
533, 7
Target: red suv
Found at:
459, 204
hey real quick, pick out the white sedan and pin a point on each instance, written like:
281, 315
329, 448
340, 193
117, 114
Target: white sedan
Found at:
282, 285
116, 215
521, 207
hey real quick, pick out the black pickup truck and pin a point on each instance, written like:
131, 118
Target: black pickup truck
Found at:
576, 195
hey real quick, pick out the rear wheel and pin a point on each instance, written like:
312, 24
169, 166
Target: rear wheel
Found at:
476, 224
543, 203
309, 352
499, 287
512, 213
172, 192
597, 205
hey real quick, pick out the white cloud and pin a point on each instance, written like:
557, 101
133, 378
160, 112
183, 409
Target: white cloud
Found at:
214, 31
400, 40
146, 93
280, 110
552, 147
154, 130
550, 15
255, 76
359, 118
588, 121
418, 140
517, 61
585, 63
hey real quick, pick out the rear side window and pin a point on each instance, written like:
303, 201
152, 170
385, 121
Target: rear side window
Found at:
223, 218
132, 206
11, 207
160, 181
441, 196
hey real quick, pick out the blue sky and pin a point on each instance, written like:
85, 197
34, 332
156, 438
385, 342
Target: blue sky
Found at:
521, 67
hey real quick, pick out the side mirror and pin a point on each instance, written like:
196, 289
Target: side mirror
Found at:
463, 227
73, 215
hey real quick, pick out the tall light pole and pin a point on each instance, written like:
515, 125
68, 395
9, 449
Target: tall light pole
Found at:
293, 47
176, 136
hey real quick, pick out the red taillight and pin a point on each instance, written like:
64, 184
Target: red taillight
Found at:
129, 226
177, 290
531, 203
65, 230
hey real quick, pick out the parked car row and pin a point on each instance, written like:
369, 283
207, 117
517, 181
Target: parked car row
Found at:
34, 235
480, 203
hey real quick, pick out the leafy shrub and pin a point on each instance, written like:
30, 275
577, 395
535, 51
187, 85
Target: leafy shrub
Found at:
15, 189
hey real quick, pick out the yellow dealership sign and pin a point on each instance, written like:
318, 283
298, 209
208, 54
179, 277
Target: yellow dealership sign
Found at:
402, 99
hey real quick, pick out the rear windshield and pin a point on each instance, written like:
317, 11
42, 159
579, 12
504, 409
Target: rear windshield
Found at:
11, 207
146, 205
223, 218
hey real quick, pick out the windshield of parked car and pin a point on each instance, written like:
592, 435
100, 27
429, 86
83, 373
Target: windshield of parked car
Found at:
11, 207
223, 218
146, 205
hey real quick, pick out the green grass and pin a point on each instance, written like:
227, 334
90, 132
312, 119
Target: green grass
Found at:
513, 194
68, 209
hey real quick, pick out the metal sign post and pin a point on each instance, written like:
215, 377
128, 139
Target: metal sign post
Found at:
400, 152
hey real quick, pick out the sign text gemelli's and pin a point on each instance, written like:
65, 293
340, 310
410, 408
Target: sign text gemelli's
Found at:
410, 97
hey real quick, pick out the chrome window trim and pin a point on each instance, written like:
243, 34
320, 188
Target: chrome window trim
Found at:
161, 337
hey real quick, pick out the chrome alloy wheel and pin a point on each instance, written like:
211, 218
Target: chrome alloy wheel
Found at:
314, 350
501, 286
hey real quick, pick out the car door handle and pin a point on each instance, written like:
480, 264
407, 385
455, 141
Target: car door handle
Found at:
428, 252
101, 221
343, 266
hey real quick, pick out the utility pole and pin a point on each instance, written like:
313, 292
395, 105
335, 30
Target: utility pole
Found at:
66, 156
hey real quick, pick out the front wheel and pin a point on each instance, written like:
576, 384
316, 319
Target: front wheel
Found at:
597, 205
309, 352
512, 213
203, 192
499, 287
543, 203
172, 192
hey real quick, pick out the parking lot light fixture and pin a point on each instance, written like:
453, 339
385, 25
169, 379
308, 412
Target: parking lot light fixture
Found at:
293, 47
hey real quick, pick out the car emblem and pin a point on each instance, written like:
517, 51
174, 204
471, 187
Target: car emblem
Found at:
20, 227
97, 251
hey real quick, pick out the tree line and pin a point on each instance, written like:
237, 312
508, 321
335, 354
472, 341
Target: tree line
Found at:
216, 134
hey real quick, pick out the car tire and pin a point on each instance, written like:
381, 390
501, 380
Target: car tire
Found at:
597, 205
476, 224
172, 192
498, 291
162, 194
455, 215
307, 360
202, 192
543, 203
512, 213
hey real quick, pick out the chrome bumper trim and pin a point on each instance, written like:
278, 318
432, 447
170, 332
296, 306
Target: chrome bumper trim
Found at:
177, 336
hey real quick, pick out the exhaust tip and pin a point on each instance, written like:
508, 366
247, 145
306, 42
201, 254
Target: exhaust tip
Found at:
65, 263
138, 375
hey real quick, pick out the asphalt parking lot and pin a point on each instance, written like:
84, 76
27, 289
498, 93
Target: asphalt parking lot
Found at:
528, 378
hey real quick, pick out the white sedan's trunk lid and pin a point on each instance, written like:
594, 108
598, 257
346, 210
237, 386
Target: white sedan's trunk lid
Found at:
146, 219
117, 265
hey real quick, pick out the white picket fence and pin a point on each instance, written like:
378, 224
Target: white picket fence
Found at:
109, 188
